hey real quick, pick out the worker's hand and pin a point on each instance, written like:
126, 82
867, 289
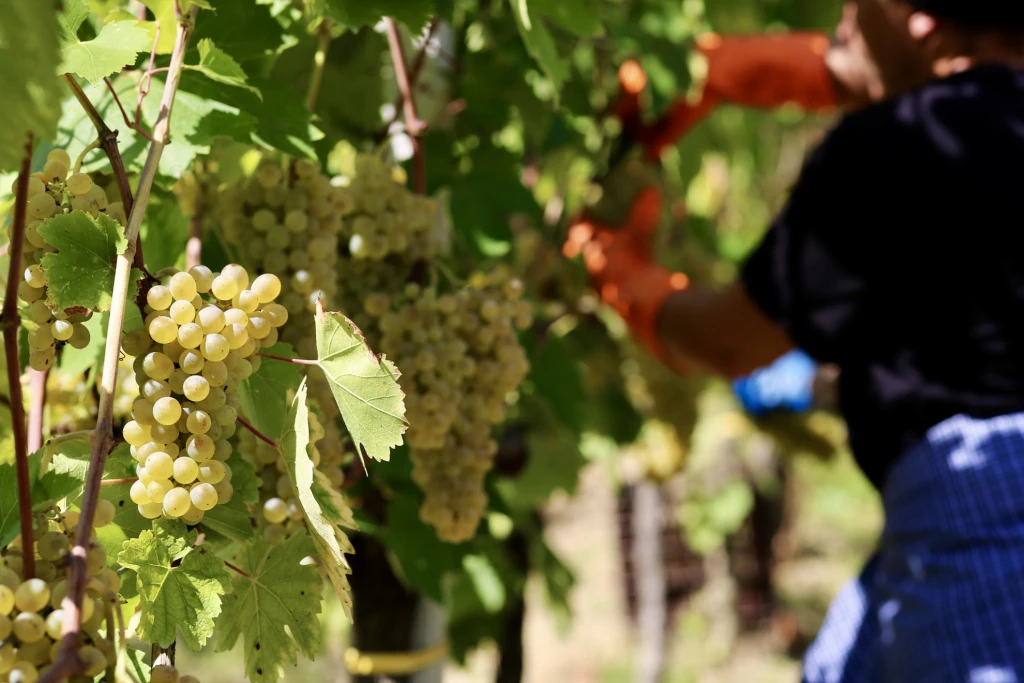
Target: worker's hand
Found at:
787, 385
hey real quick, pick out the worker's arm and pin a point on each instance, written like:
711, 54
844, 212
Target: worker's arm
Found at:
721, 331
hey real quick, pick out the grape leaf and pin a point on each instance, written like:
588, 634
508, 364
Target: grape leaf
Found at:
163, 11
231, 520
9, 519
365, 386
264, 395
29, 55
582, 17
243, 478
241, 28
185, 594
274, 607
164, 230
72, 16
356, 13
219, 66
541, 45
81, 273
117, 46
294, 447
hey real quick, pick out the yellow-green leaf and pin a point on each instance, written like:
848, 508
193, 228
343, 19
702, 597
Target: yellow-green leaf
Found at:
219, 66
365, 385
118, 45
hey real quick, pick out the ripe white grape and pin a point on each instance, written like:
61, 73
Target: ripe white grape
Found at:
200, 447
224, 287
157, 365
199, 421
79, 183
275, 511
183, 287
266, 287
136, 434
139, 493
151, 510
212, 472
95, 660
29, 627
32, 596
158, 488
23, 671
163, 330
41, 206
105, 513
193, 516
159, 297
6, 599
216, 373
191, 361
196, 388
55, 623
177, 502
204, 496
190, 335
185, 470
211, 319
215, 347
160, 465
167, 410
203, 277
182, 312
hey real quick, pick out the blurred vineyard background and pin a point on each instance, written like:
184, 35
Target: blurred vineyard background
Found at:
757, 522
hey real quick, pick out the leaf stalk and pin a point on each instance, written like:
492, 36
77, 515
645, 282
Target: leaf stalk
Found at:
413, 125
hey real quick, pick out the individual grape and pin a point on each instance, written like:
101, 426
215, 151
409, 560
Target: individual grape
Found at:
163, 330
159, 297
62, 330
238, 274
136, 342
105, 513
151, 510
183, 287
7, 598
215, 347
224, 287
200, 447
191, 361
182, 312
212, 472
160, 465
55, 624
275, 511
185, 470
235, 316
29, 627
23, 672
216, 373
41, 206
41, 338
164, 673
158, 488
246, 301
177, 502
211, 319
277, 314
95, 661
35, 276
204, 496
266, 287
32, 596
157, 365
199, 421
136, 434
139, 493
79, 183
193, 516
190, 336
80, 337
167, 410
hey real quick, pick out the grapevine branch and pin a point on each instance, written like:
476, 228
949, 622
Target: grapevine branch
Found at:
413, 125
319, 62
414, 73
11, 321
67, 662
37, 388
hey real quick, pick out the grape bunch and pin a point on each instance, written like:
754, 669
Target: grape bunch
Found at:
286, 221
460, 359
189, 358
382, 217
31, 616
53, 191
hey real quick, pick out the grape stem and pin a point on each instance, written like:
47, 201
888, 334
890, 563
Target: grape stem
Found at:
194, 246
37, 385
133, 125
236, 569
114, 482
259, 435
297, 361
413, 125
323, 33
108, 143
67, 662
11, 322
414, 74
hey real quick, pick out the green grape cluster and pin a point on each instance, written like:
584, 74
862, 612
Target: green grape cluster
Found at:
189, 358
286, 221
382, 217
53, 191
31, 617
460, 359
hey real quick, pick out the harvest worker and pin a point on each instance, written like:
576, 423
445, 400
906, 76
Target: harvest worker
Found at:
900, 258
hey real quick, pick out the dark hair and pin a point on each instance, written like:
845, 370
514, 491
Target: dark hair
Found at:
983, 14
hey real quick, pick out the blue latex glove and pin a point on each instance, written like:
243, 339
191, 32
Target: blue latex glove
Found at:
785, 385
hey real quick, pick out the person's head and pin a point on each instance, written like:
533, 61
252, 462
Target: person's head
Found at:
905, 43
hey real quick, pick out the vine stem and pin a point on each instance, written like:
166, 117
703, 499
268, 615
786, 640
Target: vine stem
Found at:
319, 61
259, 435
414, 73
37, 389
67, 662
297, 361
11, 321
413, 125
115, 482
236, 569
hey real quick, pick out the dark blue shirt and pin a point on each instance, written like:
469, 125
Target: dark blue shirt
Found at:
900, 257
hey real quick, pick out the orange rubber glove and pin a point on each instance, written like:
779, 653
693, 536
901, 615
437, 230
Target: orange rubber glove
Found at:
615, 237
